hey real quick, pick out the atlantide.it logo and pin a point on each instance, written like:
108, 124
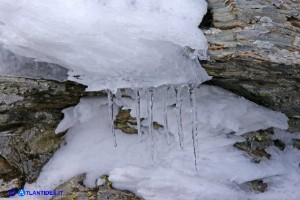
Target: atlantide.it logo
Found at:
22, 192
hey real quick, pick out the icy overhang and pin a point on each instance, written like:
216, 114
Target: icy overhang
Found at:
110, 43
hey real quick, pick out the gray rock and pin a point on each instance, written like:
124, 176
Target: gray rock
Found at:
30, 110
259, 186
254, 52
296, 143
257, 142
279, 144
74, 189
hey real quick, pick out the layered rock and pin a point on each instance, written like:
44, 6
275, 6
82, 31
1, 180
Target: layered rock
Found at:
254, 49
30, 110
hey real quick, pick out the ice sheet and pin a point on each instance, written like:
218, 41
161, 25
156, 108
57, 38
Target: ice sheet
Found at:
110, 44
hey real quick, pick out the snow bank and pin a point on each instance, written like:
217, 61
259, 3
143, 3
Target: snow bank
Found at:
89, 149
110, 43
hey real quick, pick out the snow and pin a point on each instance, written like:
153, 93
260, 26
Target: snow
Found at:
171, 174
110, 43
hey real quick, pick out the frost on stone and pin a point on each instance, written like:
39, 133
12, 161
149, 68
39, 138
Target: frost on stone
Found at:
110, 44
9, 99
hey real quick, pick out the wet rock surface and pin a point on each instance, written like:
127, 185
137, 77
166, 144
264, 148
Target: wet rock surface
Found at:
74, 189
255, 144
29, 113
254, 48
259, 186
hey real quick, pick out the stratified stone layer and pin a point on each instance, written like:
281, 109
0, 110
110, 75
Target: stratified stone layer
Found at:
254, 48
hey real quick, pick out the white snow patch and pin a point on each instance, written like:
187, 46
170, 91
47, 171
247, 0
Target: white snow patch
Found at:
222, 168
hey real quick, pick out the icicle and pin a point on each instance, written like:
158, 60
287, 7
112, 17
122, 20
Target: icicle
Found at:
194, 124
150, 120
178, 115
138, 113
111, 115
166, 114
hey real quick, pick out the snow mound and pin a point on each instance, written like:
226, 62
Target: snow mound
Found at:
171, 175
110, 43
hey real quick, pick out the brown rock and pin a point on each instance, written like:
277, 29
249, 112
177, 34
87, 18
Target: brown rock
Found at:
5, 167
259, 186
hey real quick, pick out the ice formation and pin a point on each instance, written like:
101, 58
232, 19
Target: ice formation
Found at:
171, 175
165, 97
153, 47
110, 43
194, 120
138, 117
110, 99
15, 65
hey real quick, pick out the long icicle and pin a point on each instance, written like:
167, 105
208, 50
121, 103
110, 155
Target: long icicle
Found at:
138, 113
194, 125
150, 120
178, 115
111, 115
166, 114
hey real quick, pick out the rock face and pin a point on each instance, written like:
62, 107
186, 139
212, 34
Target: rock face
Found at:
74, 189
29, 113
254, 48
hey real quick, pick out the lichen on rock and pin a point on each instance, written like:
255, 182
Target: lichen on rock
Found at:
30, 110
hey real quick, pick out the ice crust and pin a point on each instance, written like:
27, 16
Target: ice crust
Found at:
15, 65
110, 43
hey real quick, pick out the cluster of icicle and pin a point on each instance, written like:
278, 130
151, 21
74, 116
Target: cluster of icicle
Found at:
149, 95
